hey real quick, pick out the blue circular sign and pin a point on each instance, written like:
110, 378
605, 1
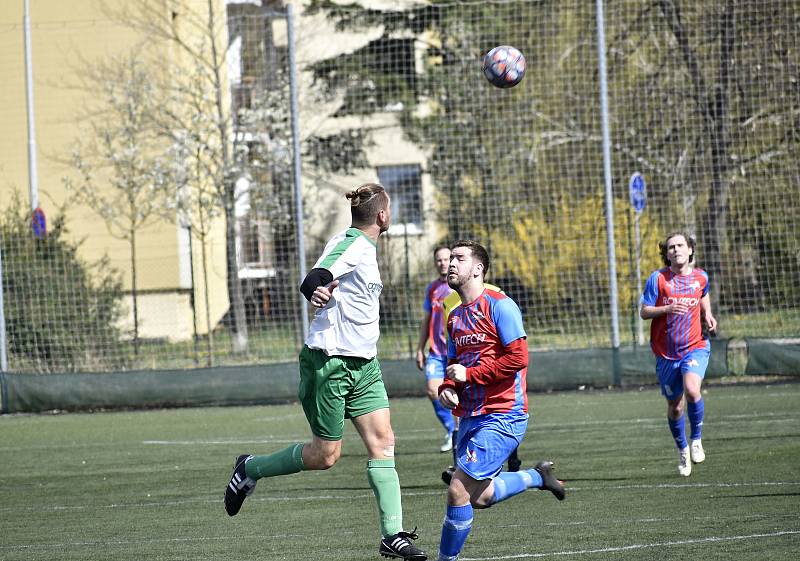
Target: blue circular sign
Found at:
638, 192
39, 223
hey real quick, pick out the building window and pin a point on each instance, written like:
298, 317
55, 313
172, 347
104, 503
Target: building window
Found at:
255, 62
404, 185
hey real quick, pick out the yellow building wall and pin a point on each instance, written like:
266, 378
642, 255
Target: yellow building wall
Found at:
64, 36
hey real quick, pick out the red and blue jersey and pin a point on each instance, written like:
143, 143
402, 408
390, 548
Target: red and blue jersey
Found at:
673, 336
435, 294
483, 336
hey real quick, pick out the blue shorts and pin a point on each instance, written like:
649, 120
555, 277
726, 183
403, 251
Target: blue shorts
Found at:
434, 366
670, 372
485, 442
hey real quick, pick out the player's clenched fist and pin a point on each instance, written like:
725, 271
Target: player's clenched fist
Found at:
456, 372
448, 398
321, 295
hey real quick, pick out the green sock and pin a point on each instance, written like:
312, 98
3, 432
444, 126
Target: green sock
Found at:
289, 460
386, 485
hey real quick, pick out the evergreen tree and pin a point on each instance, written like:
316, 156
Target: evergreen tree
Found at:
61, 312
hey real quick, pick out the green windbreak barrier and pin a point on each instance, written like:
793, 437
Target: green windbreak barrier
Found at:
554, 370
246, 385
149, 388
275, 383
773, 357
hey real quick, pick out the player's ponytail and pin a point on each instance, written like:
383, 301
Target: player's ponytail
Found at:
366, 202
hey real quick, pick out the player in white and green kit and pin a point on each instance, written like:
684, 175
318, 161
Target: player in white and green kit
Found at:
340, 377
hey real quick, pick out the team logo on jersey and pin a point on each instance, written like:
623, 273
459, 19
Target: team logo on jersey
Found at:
478, 315
686, 300
469, 339
375, 287
695, 285
472, 456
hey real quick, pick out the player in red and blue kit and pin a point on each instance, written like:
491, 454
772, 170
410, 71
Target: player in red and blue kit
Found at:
676, 299
485, 386
432, 330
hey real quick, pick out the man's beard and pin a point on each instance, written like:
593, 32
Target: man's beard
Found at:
456, 283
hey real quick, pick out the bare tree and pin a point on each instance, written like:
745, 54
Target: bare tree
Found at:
195, 196
194, 37
120, 171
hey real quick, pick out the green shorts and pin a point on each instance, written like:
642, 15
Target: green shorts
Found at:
335, 388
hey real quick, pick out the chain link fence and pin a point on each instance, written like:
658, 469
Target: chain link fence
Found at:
704, 105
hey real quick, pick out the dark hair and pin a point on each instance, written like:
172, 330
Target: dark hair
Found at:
366, 202
438, 248
478, 252
662, 246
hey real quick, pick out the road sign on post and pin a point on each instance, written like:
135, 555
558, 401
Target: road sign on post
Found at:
39, 223
638, 192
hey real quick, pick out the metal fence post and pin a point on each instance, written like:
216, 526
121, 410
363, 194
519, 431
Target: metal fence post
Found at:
33, 166
3, 345
612, 258
298, 182
3, 356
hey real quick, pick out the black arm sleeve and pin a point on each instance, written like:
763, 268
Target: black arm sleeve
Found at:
315, 278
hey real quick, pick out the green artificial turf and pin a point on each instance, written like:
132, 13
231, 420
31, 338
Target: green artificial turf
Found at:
148, 485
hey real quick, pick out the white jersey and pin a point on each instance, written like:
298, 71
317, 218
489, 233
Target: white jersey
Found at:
348, 324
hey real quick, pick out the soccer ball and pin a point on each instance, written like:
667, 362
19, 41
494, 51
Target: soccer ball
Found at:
504, 66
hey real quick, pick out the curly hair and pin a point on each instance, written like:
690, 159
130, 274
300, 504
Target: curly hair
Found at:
662, 246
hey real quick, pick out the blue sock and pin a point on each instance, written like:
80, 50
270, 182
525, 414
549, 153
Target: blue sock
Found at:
456, 528
696, 411
678, 430
510, 483
445, 415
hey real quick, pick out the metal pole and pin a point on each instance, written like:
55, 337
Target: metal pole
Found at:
409, 324
298, 182
631, 267
33, 174
3, 346
639, 320
3, 357
612, 260
192, 301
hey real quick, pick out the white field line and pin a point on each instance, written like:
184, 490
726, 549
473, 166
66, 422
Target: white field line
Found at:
368, 495
424, 434
651, 393
627, 521
22, 547
687, 486
575, 399
710, 539
421, 434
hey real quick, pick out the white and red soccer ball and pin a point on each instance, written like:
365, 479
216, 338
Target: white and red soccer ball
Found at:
504, 66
